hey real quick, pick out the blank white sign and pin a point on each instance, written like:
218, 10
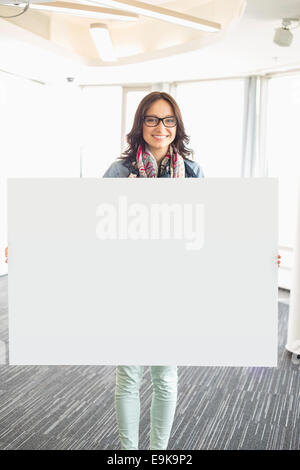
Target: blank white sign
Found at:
126, 271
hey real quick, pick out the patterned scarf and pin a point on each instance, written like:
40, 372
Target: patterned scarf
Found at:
148, 168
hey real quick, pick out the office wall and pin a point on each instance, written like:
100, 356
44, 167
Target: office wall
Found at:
40, 136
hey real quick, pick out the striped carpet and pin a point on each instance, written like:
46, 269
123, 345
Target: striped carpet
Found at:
72, 407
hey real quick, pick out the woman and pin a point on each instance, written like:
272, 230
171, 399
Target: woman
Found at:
156, 148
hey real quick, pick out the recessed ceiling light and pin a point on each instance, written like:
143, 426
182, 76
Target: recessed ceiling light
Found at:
103, 42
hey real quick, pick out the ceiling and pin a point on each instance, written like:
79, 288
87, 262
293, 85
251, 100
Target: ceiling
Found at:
272, 9
135, 41
151, 51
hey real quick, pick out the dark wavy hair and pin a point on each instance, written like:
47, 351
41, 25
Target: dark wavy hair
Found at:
135, 137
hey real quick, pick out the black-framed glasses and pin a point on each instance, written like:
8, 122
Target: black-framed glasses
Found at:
153, 121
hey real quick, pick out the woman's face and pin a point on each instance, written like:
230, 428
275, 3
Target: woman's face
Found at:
160, 108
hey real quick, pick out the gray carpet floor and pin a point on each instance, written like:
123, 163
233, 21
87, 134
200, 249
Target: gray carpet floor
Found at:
72, 407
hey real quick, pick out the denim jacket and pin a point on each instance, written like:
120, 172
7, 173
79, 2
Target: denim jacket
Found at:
121, 168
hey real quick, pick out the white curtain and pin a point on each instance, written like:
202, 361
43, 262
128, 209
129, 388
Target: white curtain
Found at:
249, 146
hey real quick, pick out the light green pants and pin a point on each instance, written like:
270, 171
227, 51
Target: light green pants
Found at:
127, 404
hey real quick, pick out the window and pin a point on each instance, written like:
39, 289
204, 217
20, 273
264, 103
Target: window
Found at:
101, 113
212, 113
132, 98
282, 149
